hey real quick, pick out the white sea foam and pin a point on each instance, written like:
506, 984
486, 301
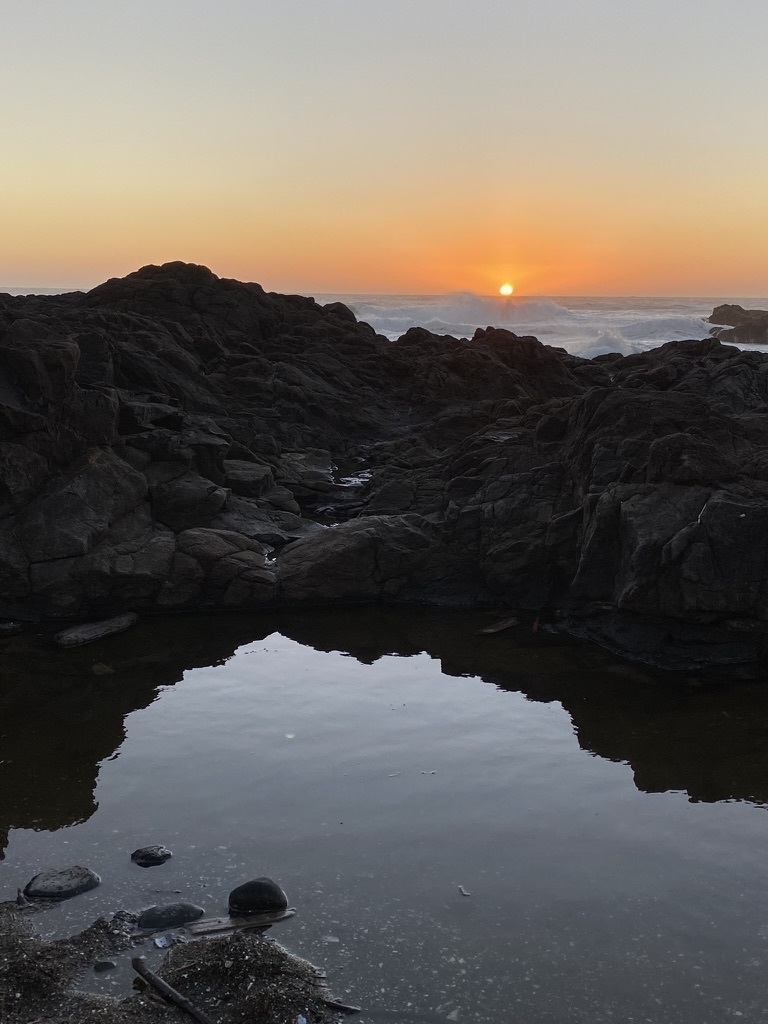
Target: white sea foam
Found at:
584, 326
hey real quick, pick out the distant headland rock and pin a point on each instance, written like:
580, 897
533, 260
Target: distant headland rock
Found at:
744, 326
172, 440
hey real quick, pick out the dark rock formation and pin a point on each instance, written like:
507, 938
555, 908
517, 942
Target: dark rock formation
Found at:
747, 326
171, 441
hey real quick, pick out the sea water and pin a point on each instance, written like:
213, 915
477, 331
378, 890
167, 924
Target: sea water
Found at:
489, 828
584, 325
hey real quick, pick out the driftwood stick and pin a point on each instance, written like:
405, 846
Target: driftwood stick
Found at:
334, 1004
167, 992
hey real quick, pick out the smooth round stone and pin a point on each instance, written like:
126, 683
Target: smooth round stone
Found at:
104, 965
259, 896
62, 883
151, 856
170, 916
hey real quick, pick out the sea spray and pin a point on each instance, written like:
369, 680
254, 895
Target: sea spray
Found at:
585, 326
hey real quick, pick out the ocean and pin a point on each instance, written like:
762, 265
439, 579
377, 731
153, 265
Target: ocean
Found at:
587, 326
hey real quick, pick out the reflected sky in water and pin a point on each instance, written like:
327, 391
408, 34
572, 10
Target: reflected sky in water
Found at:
607, 823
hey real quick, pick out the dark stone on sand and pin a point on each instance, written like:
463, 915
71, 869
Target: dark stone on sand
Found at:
259, 896
172, 915
151, 856
104, 965
62, 883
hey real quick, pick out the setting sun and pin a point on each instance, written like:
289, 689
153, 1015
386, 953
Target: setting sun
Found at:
506, 289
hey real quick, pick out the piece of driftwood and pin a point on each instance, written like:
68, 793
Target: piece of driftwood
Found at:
213, 925
90, 631
334, 1004
168, 992
497, 627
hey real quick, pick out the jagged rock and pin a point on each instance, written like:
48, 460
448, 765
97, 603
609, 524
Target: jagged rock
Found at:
151, 856
160, 432
248, 478
307, 474
364, 560
747, 326
62, 883
77, 511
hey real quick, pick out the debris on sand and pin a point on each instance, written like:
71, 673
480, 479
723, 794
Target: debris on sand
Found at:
242, 977
35, 976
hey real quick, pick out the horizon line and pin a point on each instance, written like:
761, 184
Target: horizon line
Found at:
56, 290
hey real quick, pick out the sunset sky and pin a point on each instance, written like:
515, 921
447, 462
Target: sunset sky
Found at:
568, 146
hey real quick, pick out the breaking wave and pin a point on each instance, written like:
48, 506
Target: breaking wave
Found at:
586, 327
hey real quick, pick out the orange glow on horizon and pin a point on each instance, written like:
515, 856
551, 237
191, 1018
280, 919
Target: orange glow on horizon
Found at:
80, 240
271, 167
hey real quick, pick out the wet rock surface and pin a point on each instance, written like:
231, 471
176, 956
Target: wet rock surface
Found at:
245, 977
174, 441
61, 883
172, 915
259, 896
151, 856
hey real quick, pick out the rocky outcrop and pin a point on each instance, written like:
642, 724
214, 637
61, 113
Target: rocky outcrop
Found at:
745, 326
174, 441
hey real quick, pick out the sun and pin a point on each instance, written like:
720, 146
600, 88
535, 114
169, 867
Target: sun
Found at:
506, 289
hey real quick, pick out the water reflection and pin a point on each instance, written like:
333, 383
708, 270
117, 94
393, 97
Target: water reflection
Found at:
62, 712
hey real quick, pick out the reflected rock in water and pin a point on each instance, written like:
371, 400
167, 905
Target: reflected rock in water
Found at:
62, 712
700, 734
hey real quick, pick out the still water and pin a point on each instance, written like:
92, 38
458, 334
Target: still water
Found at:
608, 825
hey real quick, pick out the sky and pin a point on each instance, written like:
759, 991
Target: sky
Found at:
570, 147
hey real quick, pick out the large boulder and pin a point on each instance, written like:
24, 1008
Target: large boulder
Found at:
61, 883
369, 559
258, 896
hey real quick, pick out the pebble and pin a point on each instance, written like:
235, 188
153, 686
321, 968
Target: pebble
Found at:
151, 856
169, 916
